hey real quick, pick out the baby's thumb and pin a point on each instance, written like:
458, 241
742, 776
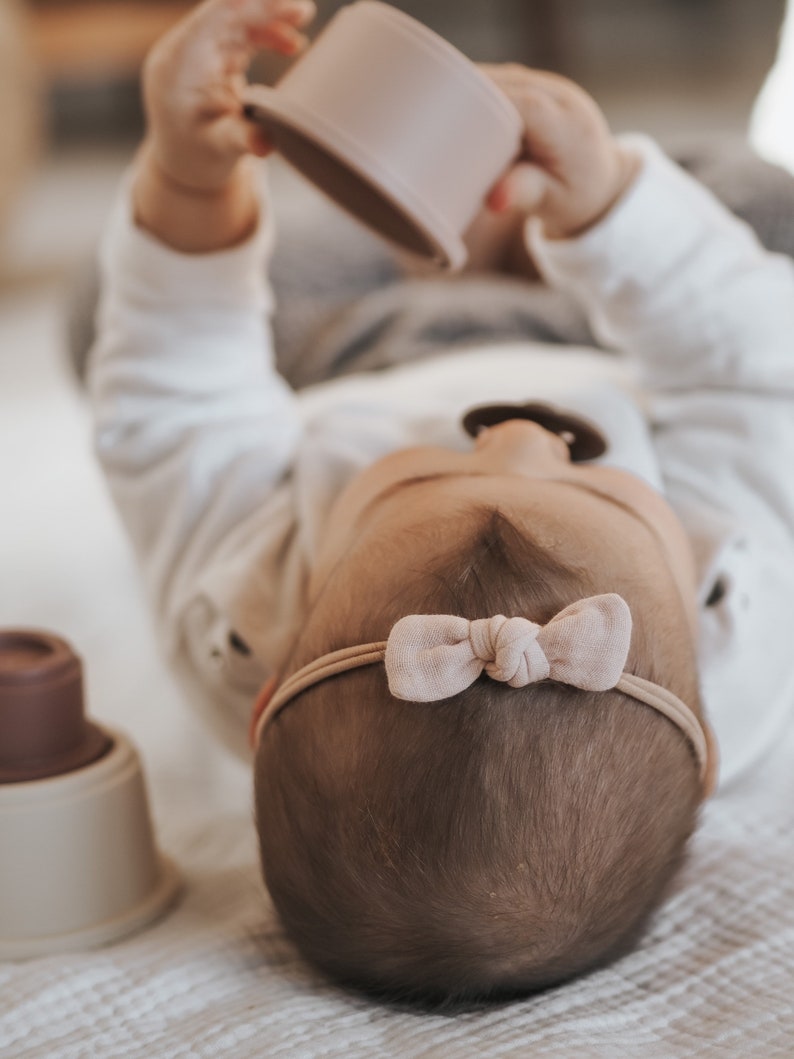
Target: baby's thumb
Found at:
523, 188
233, 136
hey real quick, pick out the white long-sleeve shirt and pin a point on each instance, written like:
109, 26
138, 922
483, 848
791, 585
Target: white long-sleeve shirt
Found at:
224, 476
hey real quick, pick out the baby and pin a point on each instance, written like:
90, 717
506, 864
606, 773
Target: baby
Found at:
481, 670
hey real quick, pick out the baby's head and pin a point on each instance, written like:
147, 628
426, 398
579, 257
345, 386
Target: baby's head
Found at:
502, 839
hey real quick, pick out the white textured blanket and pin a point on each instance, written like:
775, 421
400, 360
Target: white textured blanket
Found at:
216, 977
715, 975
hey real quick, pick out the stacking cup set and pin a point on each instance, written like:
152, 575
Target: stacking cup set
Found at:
79, 865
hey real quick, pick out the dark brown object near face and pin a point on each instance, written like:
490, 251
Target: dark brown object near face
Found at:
585, 441
43, 728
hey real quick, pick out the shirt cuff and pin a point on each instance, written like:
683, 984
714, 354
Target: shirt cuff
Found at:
664, 210
141, 266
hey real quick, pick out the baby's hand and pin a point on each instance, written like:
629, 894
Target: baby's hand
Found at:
193, 79
571, 169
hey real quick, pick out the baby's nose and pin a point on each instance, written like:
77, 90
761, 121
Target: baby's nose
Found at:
522, 437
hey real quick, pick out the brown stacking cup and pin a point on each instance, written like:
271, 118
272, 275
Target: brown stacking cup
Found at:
395, 125
79, 864
43, 728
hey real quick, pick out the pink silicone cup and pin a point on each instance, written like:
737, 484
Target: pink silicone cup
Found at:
395, 125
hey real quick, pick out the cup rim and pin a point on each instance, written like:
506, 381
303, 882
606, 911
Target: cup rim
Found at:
120, 756
57, 663
271, 102
96, 744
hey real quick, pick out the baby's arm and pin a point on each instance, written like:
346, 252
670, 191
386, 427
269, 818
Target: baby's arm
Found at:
194, 428
685, 290
667, 276
706, 315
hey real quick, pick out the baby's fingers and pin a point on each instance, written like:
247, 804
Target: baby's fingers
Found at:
279, 36
252, 13
276, 24
523, 188
238, 29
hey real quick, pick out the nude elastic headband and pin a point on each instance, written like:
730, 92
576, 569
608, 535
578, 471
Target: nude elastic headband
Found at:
429, 657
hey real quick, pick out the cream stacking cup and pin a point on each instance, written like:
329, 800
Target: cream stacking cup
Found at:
79, 865
395, 125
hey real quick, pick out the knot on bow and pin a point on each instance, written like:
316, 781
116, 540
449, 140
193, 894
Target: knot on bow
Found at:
434, 656
509, 649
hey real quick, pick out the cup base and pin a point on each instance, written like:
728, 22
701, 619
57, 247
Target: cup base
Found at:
154, 905
80, 866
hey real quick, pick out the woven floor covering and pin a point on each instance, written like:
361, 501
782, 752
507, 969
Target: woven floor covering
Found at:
216, 977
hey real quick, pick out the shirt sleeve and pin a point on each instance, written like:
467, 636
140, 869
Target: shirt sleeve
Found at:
706, 316
194, 428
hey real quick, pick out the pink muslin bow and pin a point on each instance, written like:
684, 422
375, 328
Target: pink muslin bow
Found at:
434, 656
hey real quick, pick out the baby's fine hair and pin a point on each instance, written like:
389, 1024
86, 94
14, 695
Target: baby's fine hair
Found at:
497, 842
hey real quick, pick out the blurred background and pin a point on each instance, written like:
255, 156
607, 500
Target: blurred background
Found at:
69, 121
69, 96
70, 110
